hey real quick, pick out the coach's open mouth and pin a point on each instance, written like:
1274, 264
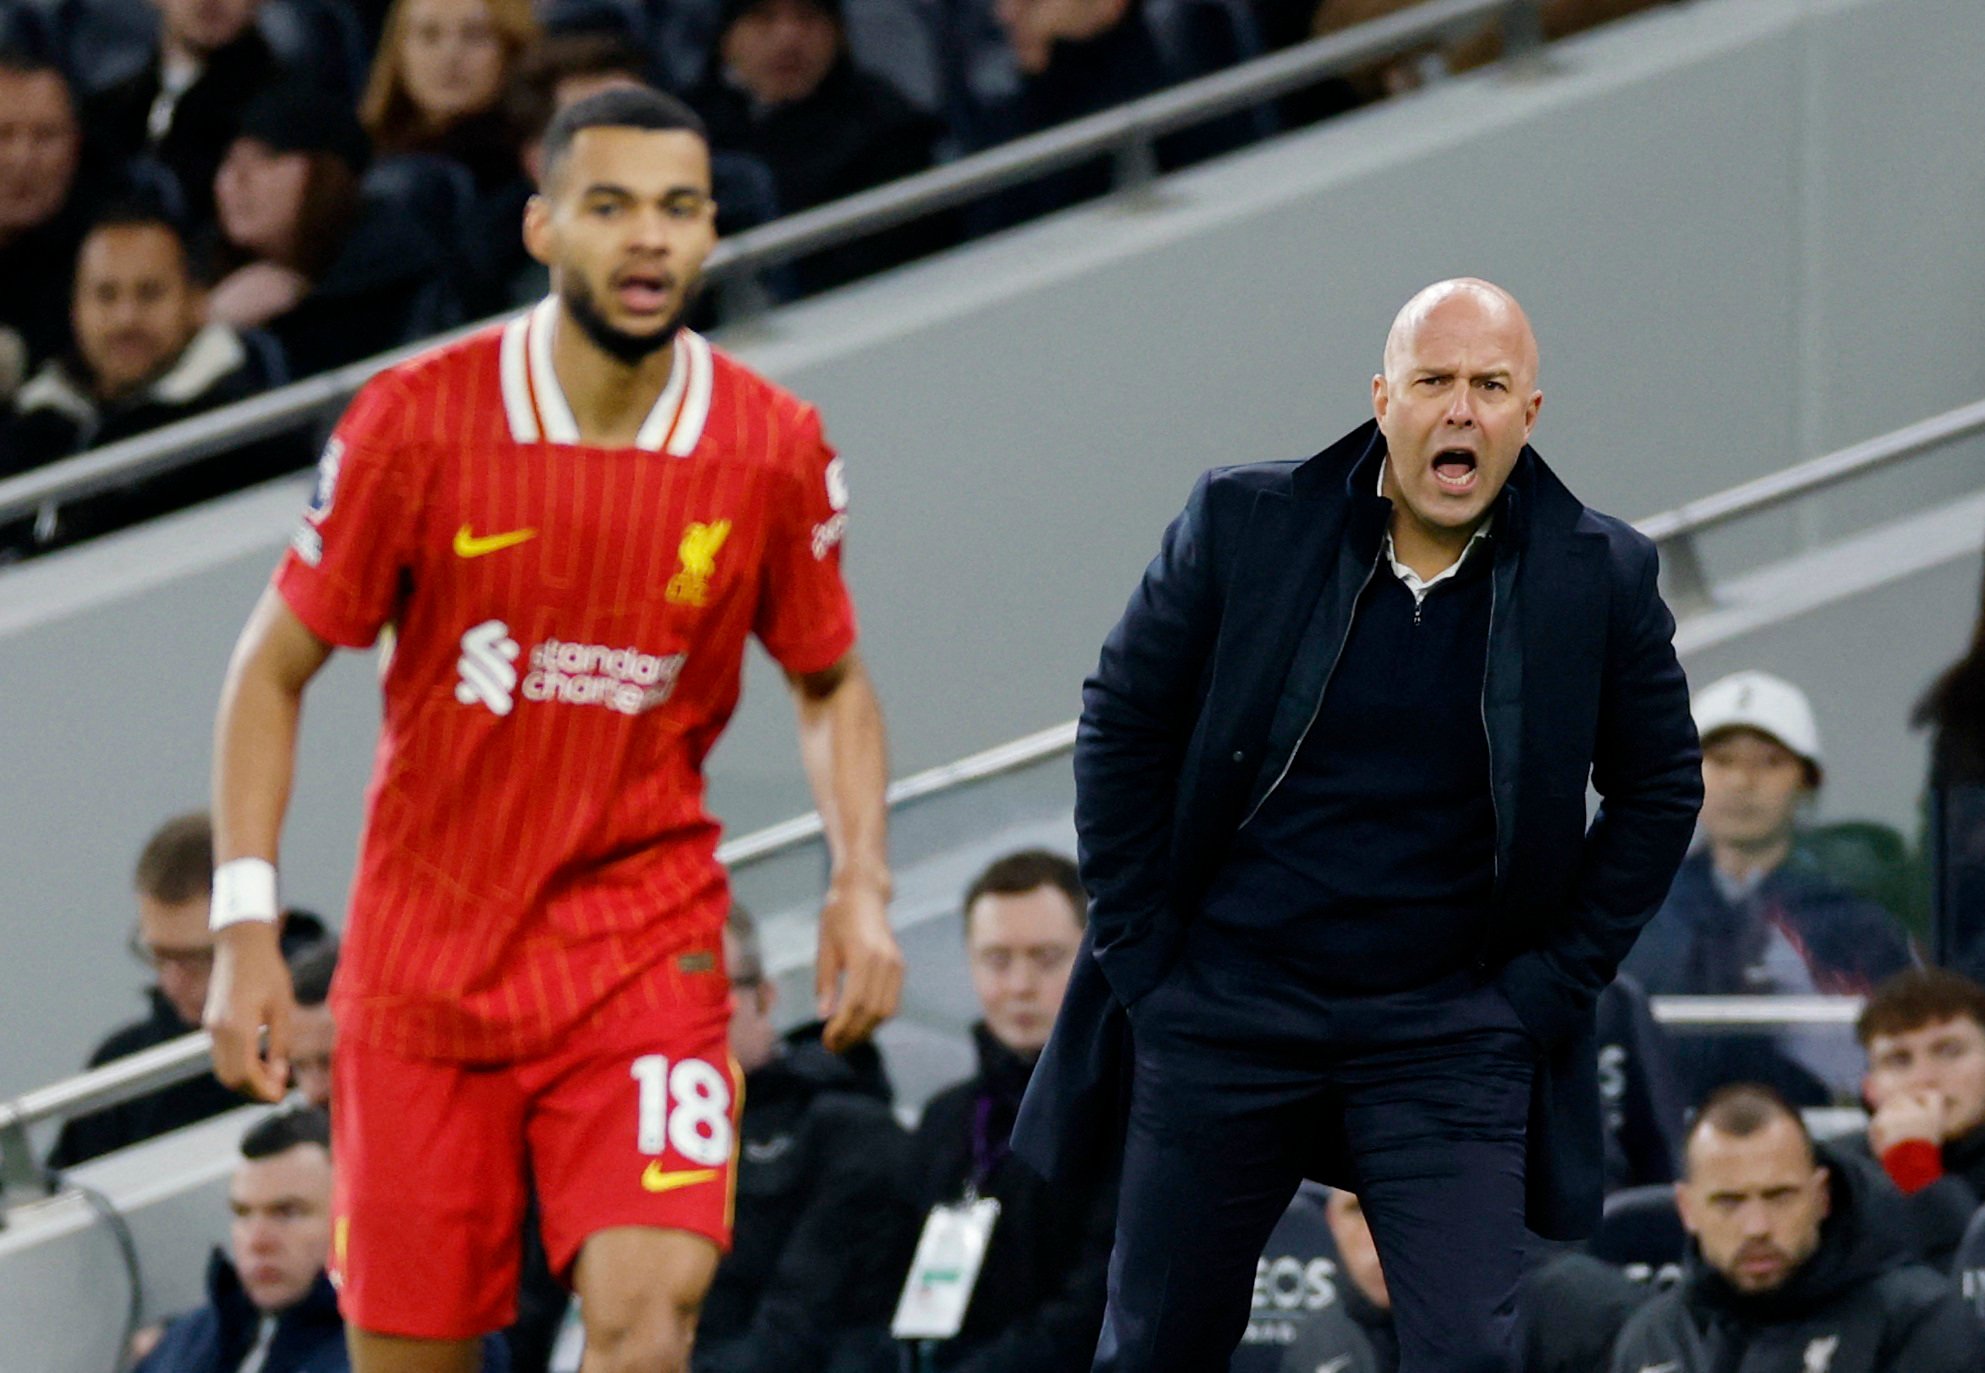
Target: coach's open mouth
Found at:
1454, 469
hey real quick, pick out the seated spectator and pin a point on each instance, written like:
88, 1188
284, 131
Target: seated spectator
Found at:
1038, 1303
818, 1167
40, 160
174, 880
270, 1306
313, 1034
142, 356
1798, 1261
437, 90
1750, 913
183, 107
782, 88
1953, 709
1924, 1031
334, 274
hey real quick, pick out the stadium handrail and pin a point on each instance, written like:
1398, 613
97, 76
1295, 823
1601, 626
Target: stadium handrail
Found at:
1126, 132
1675, 531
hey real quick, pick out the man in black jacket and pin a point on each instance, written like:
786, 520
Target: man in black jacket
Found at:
1039, 1296
1798, 1262
783, 89
1924, 1033
143, 356
183, 107
1330, 789
808, 1280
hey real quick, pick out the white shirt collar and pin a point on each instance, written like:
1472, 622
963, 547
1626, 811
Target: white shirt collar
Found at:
1412, 579
536, 405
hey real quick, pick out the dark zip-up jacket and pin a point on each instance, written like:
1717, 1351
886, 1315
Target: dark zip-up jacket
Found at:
142, 1118
1858, 1305
1204, 692
309, 1338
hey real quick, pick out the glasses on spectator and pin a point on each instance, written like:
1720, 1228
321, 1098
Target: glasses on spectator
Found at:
157, 959
1044, 959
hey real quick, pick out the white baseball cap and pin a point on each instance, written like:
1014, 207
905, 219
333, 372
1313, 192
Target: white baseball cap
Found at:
1770, 705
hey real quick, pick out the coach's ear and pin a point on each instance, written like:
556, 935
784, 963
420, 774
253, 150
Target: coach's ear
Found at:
537, 228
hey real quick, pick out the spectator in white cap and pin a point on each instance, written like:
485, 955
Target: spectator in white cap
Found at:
1750, 912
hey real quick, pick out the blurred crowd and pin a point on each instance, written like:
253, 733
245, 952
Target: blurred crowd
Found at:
204, 199
1800, 1196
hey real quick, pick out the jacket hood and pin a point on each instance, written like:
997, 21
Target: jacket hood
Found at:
1861, 1237
231, 1304
809, 1065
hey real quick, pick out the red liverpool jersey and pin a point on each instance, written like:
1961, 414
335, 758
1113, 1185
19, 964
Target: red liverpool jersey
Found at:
568, 630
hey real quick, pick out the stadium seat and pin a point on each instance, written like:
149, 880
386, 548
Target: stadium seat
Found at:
1641, 1234
1968, 1268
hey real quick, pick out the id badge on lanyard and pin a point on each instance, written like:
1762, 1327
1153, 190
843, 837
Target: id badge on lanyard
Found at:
945, 1270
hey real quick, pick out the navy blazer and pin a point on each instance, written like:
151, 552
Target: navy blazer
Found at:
1203, 693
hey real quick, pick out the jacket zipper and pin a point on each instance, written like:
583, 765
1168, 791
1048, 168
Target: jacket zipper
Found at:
1317, 709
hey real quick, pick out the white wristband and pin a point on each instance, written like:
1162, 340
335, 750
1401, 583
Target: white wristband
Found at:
244, 889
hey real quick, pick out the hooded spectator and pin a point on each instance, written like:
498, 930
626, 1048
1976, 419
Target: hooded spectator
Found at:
782, 88
818, 1166
1924, 1032
1750, 912
269, 1304
41, 146
1798, 1262
183, 108
336, 275
142, 357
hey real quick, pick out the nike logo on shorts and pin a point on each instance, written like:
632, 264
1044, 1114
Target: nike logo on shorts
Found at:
656, 1179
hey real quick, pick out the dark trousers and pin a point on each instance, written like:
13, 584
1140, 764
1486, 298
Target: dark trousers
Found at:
1238, 1095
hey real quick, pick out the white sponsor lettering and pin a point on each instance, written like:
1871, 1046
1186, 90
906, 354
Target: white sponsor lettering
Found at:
308, 545
827, 534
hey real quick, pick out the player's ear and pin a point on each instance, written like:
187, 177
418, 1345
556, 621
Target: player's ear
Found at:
537, 228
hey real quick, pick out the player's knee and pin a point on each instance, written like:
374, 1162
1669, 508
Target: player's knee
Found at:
646, 1337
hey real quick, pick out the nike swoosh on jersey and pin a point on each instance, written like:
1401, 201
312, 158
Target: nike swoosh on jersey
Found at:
468, 545
656, 1179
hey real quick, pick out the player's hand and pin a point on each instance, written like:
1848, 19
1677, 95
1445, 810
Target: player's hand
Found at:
860, 968
1912, 1115
251, 992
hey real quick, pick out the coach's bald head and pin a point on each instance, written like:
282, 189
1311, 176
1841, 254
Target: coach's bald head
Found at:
1469, 301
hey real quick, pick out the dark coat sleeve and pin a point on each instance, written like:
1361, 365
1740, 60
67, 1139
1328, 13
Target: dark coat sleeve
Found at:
1647, 768
1138, 710
859, 1152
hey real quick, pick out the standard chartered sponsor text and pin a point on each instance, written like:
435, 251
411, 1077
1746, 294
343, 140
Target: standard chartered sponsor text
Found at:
621, 679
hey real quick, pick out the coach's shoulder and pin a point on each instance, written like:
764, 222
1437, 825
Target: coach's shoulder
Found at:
1242, 482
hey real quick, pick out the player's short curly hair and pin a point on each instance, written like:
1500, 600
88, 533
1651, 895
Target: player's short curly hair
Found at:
1918, 997
624, 107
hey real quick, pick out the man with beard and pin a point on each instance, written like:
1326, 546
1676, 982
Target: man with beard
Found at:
1798, 1262
573, 522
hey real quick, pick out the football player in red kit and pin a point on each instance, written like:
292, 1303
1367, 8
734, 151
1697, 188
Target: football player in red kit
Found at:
570, 524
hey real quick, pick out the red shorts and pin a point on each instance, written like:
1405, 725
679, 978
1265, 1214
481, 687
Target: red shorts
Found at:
631, 1124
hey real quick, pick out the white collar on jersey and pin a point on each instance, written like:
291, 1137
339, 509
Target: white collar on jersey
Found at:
536, 405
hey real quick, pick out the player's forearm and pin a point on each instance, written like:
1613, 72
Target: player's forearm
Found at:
256, 730
844, 749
